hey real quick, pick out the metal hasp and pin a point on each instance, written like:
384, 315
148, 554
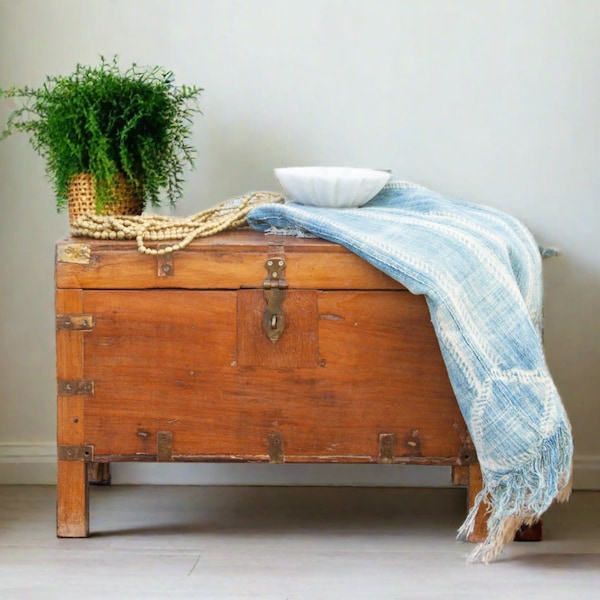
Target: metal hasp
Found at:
75, 322
164, 446
83, 453
274, 286
75, 387
165, 263
276, 454
80, 254
467, 456
387, 442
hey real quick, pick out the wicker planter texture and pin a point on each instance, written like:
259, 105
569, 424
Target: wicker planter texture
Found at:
82, 198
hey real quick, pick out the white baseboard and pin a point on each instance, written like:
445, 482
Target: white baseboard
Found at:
35, 464
24, 464
586, 473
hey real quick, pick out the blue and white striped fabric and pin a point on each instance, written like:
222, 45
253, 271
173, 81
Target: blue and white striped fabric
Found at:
480, 271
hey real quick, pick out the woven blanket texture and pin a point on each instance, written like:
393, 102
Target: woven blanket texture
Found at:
480, 271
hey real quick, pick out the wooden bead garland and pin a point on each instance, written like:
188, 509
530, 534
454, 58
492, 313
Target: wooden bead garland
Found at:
230, 214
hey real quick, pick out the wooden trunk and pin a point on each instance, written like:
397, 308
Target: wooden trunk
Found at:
244, 347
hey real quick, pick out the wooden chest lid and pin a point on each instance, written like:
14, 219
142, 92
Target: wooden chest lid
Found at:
230, 260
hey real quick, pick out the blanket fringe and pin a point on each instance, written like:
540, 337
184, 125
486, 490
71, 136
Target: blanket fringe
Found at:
521, 497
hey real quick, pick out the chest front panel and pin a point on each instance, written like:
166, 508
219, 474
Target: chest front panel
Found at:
186, 359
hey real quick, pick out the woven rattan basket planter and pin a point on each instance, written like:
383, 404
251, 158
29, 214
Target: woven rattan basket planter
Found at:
82, 198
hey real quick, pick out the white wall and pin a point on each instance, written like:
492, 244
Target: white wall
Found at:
496, 102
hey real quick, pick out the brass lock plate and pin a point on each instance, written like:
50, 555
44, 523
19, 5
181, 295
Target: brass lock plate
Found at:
297, 348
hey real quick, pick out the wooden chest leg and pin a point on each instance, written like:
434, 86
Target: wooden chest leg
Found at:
99, 473
474, 486
72, 507
471, 477
533, 533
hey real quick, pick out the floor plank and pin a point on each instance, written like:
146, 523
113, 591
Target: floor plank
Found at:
283, 543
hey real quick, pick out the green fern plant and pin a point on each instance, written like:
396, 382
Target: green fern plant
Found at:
105, 121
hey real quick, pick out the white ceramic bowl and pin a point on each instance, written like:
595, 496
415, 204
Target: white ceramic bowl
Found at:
333, 187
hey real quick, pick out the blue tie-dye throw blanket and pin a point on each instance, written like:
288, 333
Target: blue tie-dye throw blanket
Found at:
480, 272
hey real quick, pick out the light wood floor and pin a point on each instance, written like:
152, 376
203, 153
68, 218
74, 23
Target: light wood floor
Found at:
286, 544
